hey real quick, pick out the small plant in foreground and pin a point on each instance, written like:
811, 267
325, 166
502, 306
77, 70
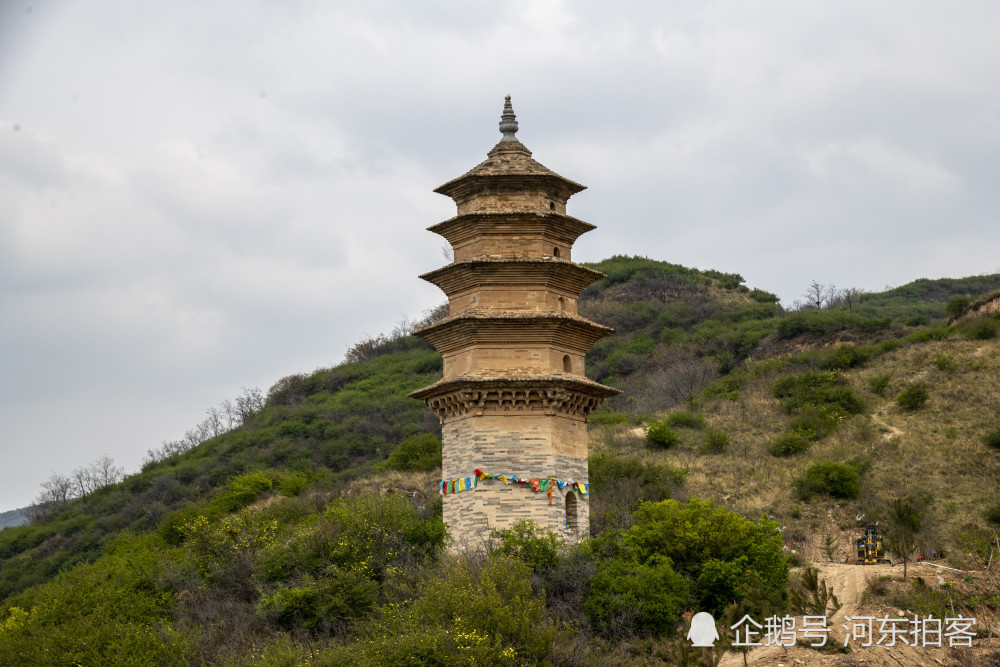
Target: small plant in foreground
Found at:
944, 363
685, 419
829, 546
992, 439
661, 435
417, 453
913, 397
981, 328
716, 441
809, 594
839, 480
992, 514
879, 382
789, 443
528, 542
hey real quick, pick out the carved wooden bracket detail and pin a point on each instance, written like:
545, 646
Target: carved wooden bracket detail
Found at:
462, 402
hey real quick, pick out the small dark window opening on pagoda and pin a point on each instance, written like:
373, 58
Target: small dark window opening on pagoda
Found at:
552, 206
567, 364
571, 518
562, 303
555, 252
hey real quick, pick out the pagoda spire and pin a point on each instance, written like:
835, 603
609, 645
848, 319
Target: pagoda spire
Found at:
508, 121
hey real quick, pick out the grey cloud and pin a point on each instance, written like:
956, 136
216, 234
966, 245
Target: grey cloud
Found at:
168, 235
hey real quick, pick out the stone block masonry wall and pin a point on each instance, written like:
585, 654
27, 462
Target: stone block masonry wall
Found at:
526, 445
538, 201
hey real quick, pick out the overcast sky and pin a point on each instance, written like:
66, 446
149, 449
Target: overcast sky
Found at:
201, 196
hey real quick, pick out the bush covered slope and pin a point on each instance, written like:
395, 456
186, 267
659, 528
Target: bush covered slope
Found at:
311, 532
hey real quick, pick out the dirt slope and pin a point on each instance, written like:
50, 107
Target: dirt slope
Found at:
849, 583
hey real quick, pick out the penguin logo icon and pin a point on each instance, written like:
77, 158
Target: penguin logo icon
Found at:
703, 632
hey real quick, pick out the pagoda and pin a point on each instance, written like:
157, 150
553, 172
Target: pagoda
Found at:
514, 401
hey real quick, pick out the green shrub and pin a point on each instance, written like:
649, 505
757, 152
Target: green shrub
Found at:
716, 441
992, 514
816, 422
980, 328
627, 597
323, 604
726, 280
727, 387
956, 304
607, 470
913, 397
789, 443
825, 322
992, 439
294, 484
887, 346
676, 314
365, 534
819, 388
527, 542
641, 344
241, 491
661, 435
466, 613
879, 382
228, 550
926, 601
725, 557
685, 419
622, 269
172, 524
944, 363
834, 479
609, 418
845, 356
940, 332
761, 296
619, 484
415, 454
110, 610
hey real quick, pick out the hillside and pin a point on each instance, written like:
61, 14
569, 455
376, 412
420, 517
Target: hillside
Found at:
312, 527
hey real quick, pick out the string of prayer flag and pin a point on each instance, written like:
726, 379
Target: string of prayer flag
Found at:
538, 485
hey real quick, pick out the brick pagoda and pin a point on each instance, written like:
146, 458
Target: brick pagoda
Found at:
514, 401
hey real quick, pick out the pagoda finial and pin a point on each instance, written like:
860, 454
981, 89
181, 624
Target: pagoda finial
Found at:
508, 121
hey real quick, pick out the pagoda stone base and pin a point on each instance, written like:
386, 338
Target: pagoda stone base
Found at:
472, 515
515, 443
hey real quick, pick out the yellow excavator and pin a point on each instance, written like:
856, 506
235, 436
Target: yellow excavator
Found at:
870, 549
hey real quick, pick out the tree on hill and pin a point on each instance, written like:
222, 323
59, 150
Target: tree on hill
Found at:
846, 297
904, 527
818, 295
59, 489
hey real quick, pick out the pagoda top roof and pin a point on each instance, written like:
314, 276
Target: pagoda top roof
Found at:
509, 158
